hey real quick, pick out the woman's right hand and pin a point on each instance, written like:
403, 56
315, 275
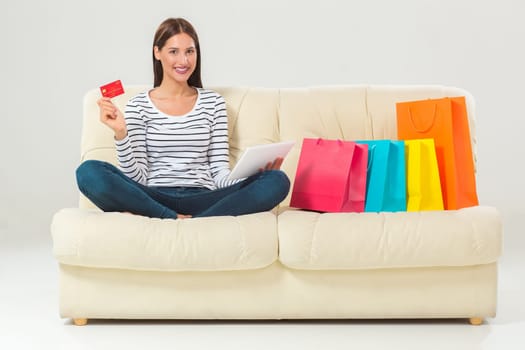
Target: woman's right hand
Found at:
112, 117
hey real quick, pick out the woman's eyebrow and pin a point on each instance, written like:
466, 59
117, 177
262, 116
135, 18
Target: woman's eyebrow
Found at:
176, 48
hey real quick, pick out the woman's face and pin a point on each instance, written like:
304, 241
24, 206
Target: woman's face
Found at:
178, 57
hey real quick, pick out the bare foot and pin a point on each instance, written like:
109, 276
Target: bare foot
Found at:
179, 216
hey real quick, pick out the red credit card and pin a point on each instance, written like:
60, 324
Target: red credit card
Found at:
112, 89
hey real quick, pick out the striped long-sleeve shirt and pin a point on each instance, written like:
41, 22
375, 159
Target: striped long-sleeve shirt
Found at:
188, 151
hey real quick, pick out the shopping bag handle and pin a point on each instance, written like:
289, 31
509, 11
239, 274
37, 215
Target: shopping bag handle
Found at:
371, 149
431, 124
320, 139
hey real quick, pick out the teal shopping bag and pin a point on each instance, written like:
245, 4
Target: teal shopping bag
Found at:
386, 176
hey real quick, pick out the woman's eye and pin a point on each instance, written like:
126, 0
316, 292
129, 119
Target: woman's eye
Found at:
173, 51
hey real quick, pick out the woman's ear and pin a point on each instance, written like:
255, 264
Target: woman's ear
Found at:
156, 52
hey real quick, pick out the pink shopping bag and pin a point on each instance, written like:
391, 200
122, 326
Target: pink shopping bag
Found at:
331, 176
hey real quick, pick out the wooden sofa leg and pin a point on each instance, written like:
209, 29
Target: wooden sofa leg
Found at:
476, 321
80, 321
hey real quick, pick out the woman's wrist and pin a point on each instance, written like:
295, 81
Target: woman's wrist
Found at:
120, 135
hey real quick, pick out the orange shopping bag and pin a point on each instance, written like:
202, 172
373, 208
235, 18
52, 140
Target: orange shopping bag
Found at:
444, 120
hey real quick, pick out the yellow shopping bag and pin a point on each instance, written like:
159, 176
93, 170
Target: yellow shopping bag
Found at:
423, 183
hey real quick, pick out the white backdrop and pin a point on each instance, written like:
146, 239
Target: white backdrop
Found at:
54, 51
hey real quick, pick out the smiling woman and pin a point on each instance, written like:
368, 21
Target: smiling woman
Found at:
172, 145
170, 50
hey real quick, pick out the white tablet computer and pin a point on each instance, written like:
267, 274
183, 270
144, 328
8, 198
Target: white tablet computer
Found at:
256, 157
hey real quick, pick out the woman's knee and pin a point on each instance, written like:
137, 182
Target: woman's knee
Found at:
280, 182
89, 174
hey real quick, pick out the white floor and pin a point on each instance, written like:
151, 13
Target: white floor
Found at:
29, 320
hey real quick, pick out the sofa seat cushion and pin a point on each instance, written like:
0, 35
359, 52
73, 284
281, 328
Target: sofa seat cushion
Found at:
318, 241
93, 238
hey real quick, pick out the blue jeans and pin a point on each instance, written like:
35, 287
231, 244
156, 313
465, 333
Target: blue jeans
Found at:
109, 189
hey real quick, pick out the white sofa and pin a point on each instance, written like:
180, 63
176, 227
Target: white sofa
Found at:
285, 264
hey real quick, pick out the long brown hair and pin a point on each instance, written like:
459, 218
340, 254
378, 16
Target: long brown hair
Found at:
166, 30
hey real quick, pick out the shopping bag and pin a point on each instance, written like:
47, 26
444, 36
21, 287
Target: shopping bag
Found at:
445, 120
386, 176
423, 182
330, 176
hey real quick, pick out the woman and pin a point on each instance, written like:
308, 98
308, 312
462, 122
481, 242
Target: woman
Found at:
172, 145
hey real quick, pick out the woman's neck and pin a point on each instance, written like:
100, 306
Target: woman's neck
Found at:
169, 88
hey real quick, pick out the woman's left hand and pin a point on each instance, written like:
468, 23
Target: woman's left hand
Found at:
275, 165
